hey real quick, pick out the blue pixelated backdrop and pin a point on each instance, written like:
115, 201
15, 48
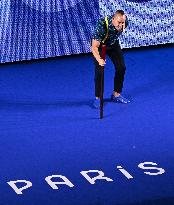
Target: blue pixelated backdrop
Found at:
32, 29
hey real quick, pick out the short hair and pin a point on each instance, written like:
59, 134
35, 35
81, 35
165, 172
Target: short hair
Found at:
120, 12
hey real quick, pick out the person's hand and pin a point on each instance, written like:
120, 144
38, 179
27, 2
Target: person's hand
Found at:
101, 62
124, 24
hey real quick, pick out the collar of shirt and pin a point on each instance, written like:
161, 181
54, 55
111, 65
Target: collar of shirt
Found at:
110, 24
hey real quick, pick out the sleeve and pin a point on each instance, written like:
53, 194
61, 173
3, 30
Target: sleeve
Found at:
100, 31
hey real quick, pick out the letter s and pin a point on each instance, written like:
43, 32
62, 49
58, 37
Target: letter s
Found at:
159, 170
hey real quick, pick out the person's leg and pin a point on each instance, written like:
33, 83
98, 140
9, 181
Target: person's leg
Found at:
97, 79
98, 75
116, 55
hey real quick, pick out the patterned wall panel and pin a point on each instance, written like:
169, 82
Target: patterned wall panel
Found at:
31, 29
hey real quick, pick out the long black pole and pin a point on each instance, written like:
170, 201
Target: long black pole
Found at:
103, 56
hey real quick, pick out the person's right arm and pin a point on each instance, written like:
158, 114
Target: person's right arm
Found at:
98, 36
95, 52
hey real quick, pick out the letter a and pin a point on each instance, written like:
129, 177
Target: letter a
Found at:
53, 184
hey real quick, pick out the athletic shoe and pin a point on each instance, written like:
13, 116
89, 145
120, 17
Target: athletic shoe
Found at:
96, 103
119, 99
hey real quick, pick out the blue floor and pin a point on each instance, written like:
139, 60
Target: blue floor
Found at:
48, 127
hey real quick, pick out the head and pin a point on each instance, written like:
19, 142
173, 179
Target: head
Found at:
118, 19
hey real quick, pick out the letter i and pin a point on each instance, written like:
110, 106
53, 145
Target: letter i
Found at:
124, 172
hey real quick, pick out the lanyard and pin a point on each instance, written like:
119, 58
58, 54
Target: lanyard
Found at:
107, 31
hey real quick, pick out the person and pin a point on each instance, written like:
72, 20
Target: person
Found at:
107, 32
